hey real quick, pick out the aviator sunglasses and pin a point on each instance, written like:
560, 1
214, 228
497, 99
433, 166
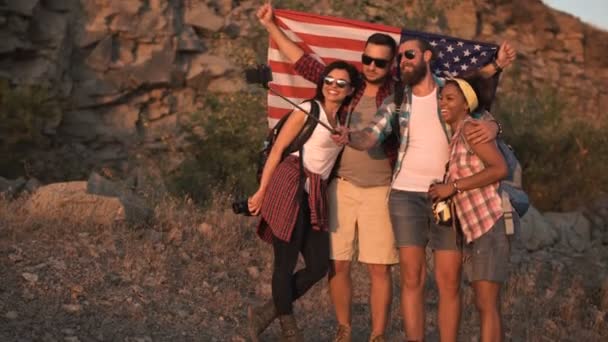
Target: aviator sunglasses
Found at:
408, 54
340, 83
379, 62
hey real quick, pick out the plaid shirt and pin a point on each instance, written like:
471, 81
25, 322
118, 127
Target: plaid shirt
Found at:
281, 204
382, 127
477, 209
311, 69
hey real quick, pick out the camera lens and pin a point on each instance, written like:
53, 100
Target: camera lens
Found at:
241, 208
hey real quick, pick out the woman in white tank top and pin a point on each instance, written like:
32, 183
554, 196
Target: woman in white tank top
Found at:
294, 220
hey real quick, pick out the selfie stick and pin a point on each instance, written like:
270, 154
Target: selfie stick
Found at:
328, 127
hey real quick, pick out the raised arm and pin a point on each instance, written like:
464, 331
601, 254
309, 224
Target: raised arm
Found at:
290, 49
506, 56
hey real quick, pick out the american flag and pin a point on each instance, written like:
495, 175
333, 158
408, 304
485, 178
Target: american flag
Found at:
330, 38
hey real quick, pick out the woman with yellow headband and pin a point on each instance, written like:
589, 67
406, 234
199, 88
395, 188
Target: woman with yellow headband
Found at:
473, 176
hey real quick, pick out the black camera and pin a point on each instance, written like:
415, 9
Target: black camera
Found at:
241, 208
260, 74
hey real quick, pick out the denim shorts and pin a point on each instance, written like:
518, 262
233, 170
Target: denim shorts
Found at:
487, 257
414, 225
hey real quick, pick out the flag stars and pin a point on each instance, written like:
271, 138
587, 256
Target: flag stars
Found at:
477, 47
440, 54
467, 53
474, 60
483, 53
450, 48
464, 67
447, 65
460, 44
433, 43
456, 59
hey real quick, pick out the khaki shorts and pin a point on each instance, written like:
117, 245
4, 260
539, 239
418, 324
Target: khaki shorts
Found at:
359, 221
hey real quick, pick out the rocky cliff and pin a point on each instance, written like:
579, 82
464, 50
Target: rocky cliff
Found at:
128, 68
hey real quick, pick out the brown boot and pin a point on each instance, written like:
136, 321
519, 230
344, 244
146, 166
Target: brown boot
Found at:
260, 318
290, 330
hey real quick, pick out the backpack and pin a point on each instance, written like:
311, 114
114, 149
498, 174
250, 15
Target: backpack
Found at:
511, 191
296, 144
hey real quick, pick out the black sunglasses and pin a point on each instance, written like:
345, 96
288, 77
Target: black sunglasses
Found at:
380, 63
408, 54
328, 80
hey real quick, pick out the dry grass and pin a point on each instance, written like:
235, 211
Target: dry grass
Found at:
189, 275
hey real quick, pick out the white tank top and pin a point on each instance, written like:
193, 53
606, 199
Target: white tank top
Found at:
320, 152
427, 148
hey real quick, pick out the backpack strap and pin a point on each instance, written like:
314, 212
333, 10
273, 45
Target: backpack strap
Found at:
507, 212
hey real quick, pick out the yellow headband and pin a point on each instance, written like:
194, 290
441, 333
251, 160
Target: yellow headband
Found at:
468, 92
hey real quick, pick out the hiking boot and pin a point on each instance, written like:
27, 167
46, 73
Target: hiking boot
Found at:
290, 330
260, 318
343, 334
377, 338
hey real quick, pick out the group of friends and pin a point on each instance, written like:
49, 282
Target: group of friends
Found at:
367, 189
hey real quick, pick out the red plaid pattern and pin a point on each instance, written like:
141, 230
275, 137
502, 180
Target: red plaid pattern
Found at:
280, 206
477, 209
311, 69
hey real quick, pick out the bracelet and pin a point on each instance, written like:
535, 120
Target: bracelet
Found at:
495, 64
455, 186
500, 131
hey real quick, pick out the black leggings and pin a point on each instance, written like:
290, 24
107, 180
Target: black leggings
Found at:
314, 246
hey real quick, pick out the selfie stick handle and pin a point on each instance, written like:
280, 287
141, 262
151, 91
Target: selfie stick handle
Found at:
328, 127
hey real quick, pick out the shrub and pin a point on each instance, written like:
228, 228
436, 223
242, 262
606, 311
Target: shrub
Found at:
224, 146
26, 112
563, 157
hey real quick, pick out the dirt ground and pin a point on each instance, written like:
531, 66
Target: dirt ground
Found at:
191, 275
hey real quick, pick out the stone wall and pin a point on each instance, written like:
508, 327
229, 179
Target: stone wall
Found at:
128, 68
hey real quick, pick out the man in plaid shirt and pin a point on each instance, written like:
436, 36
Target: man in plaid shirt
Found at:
423, 154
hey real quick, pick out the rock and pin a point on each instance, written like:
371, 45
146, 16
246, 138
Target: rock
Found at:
205, 229
11, 315
49, 28
574, 229
199, 15
59, 5
211, 65
32, 185
98, 185
188, 41
22, 7
72, 308
60, 201
11, 188
536, 231
31, 277
254, 272
101, 56
136, 209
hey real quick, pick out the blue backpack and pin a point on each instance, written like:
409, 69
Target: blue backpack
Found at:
514, 198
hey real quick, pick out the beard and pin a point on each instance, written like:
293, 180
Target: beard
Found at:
414, 77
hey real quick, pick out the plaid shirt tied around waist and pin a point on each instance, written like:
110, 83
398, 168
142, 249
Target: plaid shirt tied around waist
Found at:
477, 209
281, 204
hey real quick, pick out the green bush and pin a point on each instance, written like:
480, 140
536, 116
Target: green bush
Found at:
25, 113
563, 157
225, 141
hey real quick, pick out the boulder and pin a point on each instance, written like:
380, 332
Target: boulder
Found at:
573, 227
11, 188
22, 7
199, 15
536, 231
188, 41
69, 202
